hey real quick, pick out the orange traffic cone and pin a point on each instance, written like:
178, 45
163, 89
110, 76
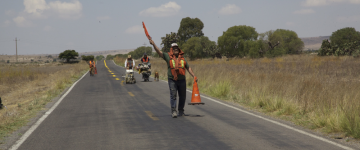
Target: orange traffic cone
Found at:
95, 71
195, 98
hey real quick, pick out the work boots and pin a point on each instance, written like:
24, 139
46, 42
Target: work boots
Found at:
173, 113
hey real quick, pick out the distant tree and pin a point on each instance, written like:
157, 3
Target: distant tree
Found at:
8, 61
99, 57
231, 43
190, 27
197, 47
168, 40
87, 58
344, 35
110, 57
54, 60
290, 42
68, 54
139, 52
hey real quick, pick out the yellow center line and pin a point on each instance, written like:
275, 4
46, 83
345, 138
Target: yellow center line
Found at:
122, 83
131, 94
114, 75
151, 115
117, 79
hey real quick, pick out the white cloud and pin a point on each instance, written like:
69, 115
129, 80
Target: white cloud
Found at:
348, 19
6, 23
289, 23
22, 22
10, 13
67, 10
165, 10
47, 28
229, 9
135, 29
39, 9
304, 11
35, 8
103, 18
328, 2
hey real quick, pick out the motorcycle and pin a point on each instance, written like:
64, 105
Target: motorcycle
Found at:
145, 71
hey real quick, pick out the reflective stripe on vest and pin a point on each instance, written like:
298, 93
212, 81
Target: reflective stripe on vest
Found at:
173, 62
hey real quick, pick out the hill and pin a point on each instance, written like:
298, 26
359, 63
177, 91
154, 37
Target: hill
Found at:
313, 43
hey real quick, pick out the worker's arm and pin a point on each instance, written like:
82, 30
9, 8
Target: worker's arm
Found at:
191, 73
133, 63
156, 48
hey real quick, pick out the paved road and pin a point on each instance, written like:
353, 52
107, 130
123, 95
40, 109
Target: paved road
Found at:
101, 112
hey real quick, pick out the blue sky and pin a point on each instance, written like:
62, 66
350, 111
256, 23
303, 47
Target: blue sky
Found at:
52, 26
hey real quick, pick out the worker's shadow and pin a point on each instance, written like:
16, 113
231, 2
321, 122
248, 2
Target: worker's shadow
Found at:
145, 81
187, 115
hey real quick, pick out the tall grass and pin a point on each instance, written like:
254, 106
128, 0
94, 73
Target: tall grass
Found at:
316, 92
26, 89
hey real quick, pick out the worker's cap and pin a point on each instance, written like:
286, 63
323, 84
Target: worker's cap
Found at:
173, 45
129, 56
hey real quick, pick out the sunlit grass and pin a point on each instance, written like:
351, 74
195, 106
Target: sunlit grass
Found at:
25, 89
316, 92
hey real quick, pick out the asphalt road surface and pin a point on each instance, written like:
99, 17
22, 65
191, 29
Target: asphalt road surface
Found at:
102, 112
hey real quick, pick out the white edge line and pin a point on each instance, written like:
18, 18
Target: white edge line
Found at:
272, 121
34, 126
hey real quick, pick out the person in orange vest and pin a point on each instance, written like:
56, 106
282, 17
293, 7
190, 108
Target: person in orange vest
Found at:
146, 59
92, 67
177, 65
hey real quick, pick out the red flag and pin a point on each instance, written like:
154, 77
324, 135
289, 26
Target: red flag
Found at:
146, 32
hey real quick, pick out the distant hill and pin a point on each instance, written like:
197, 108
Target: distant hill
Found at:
107, 52
313, 42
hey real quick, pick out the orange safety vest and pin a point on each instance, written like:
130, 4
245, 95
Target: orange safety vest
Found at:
145, 60
91, 63
177, 65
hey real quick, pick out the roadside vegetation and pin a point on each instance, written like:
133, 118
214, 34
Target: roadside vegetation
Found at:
25, 89
309, 90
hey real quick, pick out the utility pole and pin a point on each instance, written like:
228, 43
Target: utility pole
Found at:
16, 48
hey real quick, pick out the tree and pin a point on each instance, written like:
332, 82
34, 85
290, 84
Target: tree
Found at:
110, 57
290, 42
197, 47
139, 52
190, 27
99, 57
168, 40
68, 54
87, 58
344, 35
231, 43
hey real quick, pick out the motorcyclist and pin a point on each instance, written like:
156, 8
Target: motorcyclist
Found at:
146, 59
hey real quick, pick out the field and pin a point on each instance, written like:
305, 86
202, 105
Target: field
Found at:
27, 88
319, 93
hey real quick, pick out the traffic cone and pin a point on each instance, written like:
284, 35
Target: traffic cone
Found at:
95, 70
195, 98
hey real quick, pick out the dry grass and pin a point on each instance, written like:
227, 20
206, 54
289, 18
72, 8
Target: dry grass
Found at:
316, 92
25, 89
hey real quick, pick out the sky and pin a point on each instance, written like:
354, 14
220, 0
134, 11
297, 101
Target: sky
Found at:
52, 26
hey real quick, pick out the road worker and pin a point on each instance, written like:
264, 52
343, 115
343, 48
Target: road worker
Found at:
146, 59
92, 67
177, 65
129, 64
